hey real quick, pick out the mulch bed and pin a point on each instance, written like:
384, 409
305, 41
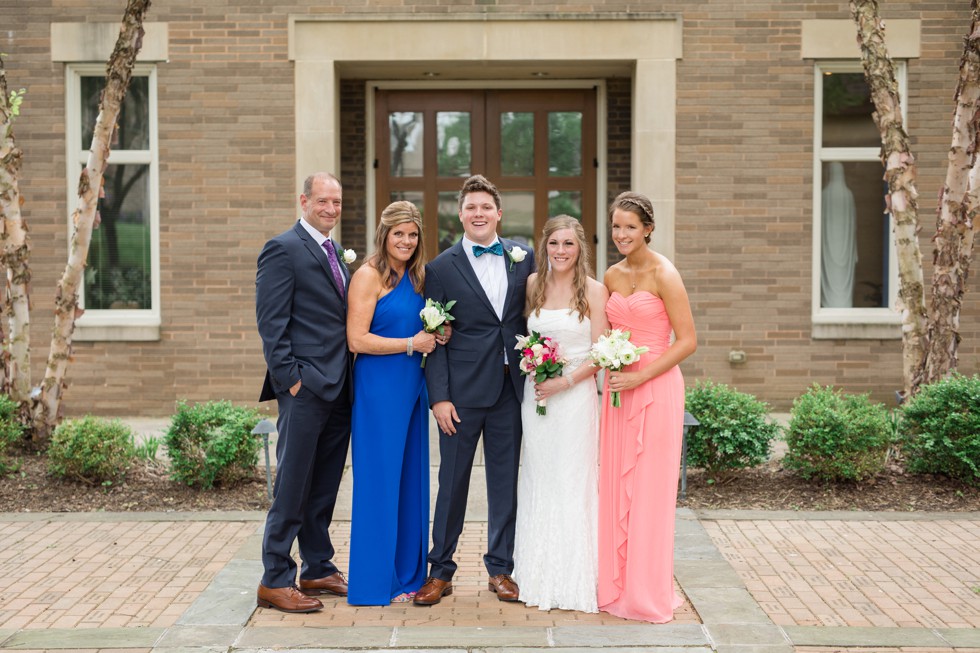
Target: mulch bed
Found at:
768, 487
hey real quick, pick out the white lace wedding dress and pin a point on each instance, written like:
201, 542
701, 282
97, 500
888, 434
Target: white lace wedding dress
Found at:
555, 553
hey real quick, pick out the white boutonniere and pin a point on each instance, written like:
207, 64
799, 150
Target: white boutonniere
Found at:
516, 255
349, 256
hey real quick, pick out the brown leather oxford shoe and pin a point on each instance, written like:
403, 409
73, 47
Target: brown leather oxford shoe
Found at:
286, 599
432, 591
332, 584
504, 587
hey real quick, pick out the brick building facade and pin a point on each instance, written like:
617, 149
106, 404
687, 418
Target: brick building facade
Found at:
726, 114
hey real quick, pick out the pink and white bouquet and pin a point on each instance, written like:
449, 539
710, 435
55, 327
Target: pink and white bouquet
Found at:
614, 351
540, 356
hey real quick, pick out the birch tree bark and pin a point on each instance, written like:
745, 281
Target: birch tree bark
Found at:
47, 410
900, 174
956, 223
14, 256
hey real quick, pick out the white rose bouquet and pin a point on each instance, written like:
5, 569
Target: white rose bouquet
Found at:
434, 318
541, 357
614, 351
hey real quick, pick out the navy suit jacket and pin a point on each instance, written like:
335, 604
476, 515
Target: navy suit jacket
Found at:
301, 316
469, 370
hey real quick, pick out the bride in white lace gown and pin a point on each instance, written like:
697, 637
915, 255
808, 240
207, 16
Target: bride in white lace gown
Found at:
555, 553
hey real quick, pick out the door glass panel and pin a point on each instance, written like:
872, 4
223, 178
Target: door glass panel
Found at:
455, 145
854, 243
450, 229
847, 109
118, 272
516, 144
564, 143
132, 124
415, 197
406, 143
565, 202
518, 217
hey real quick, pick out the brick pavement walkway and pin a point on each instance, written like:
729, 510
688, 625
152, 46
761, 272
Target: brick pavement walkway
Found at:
907, 574
471, 603
755, 581
68, 574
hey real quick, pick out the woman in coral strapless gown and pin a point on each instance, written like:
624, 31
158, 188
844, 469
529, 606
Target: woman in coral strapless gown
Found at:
640, 442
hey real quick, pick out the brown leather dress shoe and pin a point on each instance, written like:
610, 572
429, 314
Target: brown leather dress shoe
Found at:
432, 591
286, 599
332, 584
504, 587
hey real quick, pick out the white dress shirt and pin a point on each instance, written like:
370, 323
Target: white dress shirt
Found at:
491, 271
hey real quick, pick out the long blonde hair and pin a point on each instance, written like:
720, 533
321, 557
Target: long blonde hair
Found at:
395, 214
580, 278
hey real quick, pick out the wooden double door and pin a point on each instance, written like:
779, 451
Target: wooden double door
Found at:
537, 147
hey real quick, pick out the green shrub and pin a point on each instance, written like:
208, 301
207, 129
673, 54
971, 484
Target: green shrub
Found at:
212, 443
942, 429
11, 432
835, 436
734, 431
91, 449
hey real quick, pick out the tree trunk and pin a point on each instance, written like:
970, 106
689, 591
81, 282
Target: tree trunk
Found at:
955, 225
119, 71
14, 254
900, 173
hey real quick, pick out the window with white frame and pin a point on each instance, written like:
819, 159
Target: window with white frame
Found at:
120, 293
855, 278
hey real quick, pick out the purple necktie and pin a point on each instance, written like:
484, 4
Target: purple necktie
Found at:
334, 265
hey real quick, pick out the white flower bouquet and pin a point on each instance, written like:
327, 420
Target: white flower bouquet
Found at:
434, 318
613, 351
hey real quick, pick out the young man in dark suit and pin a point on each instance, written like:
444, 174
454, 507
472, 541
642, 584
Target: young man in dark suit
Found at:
301, 311
475, 387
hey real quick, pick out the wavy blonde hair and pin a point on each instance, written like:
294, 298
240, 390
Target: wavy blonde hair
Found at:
395, 214
535, 298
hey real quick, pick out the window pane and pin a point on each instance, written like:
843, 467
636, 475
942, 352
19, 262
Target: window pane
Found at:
565, 202
847, 110
118, 272
450, 230
517, 144
518, 221
132, 126
854, 236
454, 143
406, 143
415, 197
564, 144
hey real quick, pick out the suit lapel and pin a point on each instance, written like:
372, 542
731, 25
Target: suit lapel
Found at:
319, 254
462, 264
511, 272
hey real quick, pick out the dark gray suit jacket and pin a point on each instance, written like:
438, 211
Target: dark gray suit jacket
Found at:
301, 316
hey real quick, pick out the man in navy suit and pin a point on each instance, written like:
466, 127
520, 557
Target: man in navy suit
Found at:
301, 311
475, 387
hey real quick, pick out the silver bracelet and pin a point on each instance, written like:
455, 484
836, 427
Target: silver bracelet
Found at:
569, 381
408, 346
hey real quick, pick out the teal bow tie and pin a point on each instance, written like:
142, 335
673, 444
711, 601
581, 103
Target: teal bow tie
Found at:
496, 248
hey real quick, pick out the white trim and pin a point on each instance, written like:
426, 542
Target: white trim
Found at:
115, 324
484, 49
844, 323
